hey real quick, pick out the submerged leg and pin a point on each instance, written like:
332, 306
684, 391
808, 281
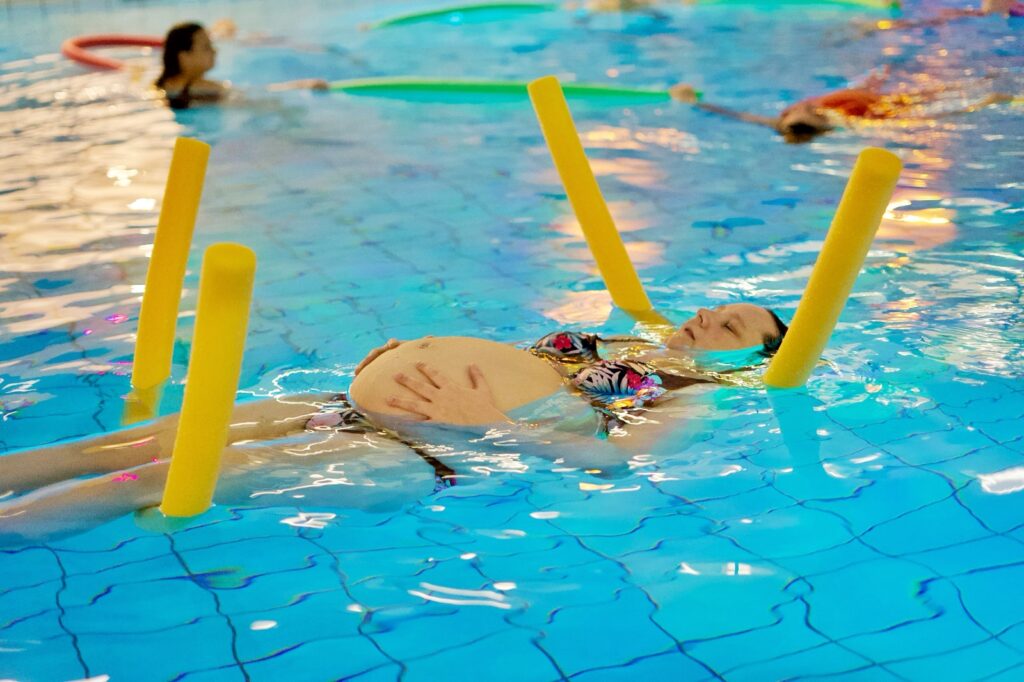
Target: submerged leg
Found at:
333, 468
108, 452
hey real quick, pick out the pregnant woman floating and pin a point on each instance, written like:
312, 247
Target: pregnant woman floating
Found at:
551, 401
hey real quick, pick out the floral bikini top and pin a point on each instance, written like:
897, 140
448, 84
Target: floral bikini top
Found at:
610, 385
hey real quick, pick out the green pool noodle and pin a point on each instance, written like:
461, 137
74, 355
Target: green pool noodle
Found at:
391, 86
476, 8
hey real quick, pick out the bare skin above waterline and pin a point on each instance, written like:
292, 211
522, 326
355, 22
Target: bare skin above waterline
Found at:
514, 377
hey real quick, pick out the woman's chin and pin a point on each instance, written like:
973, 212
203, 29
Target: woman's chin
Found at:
679, 342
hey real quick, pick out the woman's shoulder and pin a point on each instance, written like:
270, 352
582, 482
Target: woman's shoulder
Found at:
208, 88
179, 93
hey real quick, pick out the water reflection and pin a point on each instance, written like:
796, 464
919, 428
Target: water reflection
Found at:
1003, 482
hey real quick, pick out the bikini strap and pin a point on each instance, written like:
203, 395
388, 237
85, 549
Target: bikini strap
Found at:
576, 347
568, 347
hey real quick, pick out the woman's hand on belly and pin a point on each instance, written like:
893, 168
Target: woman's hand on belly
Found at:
432, 396
379, 351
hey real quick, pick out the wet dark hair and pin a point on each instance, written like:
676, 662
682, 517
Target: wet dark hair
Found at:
178, 40
801, 132
772, 342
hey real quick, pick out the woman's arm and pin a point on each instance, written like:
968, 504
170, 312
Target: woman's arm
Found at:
441, 410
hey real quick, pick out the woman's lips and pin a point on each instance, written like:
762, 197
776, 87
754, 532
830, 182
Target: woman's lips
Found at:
690, 333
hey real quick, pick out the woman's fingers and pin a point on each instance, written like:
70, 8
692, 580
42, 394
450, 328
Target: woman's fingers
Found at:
436, 378
477, 379
376, 353
370, 357
422, 389
411, 406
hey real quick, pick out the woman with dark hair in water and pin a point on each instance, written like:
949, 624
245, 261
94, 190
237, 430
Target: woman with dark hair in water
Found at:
188, 55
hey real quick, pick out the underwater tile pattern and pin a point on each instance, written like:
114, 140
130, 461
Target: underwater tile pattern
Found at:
867, 528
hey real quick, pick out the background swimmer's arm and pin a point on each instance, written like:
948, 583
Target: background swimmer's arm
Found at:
994, 98
685, 93
738, 115
875, 79
223, 29
303, 84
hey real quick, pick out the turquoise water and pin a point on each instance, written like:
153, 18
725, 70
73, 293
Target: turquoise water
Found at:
869, 528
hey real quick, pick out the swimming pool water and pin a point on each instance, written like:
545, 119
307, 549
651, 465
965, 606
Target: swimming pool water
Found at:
869, 528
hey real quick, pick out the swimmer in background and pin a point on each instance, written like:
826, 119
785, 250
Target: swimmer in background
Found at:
807, 119
460, 392
1002, 8
188, 55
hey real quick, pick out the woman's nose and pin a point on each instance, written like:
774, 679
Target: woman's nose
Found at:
704, 317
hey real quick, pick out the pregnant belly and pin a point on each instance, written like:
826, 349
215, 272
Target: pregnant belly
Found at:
515, 377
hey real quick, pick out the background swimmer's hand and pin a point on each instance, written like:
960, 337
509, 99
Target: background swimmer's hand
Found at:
437, 398
684, 92
318, 84
223, 29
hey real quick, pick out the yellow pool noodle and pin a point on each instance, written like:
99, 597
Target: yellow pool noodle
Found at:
222, 315
159, 314
141, 404
585, 196
846, 246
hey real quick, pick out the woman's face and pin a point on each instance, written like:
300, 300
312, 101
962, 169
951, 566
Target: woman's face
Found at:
727, 327
200, 58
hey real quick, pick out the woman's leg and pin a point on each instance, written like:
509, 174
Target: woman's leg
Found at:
75, 505
319, 468
252, 420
